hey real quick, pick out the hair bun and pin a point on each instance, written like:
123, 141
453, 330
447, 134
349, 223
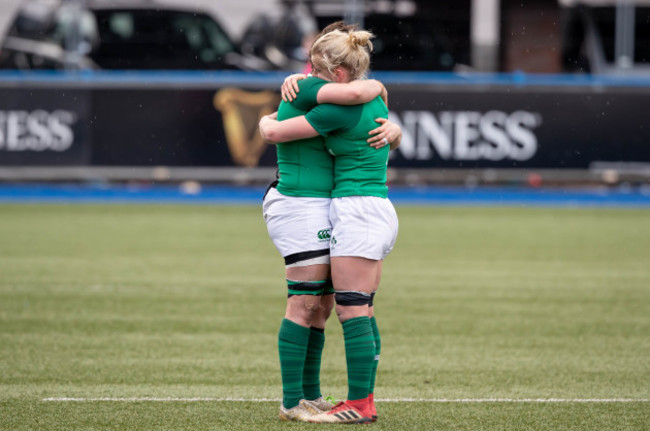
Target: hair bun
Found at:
361, 39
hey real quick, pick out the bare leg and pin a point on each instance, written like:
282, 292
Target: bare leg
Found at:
355, 274
301, 309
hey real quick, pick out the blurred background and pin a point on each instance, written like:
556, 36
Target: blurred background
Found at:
529, 93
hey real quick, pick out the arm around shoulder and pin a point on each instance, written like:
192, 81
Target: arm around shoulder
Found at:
274, 131
351, 93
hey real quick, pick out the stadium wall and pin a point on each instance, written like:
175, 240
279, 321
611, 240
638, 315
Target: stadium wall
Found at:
451, 123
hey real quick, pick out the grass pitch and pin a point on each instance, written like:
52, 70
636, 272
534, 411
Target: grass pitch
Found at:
136, 302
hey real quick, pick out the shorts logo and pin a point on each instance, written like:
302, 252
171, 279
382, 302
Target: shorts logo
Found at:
333, 241
324, 234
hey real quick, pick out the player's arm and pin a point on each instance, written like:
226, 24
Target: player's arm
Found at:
290, 87
387, 133
321, 120
351, 93
274, 131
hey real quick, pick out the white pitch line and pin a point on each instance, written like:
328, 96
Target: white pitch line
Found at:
159, 400
516, 400
384, 400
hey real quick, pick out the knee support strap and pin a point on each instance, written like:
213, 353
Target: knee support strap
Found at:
306, 287
348, 298
328, 289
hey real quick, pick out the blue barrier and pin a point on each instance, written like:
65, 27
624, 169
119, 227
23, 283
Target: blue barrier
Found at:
248, 195
221, 78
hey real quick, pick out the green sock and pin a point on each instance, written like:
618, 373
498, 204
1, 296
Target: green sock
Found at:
375, 331
311, 374
292, 345
359, 355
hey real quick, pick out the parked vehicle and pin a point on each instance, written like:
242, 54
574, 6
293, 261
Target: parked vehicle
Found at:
123, 34
152, 35
403, 41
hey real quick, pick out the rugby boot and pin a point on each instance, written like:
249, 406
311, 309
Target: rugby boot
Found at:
372, 410
342, 413
322, 404
303, 412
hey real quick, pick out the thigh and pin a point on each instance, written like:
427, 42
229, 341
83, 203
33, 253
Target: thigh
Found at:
357, 274
308, 273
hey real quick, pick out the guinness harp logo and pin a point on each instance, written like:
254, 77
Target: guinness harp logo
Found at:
241, 112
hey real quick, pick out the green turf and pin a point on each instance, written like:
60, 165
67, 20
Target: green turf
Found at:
186, 301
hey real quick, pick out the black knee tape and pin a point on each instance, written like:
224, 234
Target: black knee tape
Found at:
306, 287
350, 298
329, 287
372, 299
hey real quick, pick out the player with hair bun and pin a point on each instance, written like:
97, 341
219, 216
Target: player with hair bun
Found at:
364, 222
296, 212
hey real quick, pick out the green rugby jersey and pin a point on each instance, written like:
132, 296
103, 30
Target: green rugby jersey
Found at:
306, 169
359, 169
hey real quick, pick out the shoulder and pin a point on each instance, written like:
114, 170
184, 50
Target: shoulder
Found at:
307, 97
311, 83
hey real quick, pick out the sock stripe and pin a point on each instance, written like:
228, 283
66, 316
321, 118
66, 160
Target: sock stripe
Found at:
292, 349
311, 373
375, 331
359, 354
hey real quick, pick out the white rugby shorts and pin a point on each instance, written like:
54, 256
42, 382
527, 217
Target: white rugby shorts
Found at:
299, 227
363, 226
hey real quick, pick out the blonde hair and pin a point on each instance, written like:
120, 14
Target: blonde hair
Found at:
337, 48
338, 25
